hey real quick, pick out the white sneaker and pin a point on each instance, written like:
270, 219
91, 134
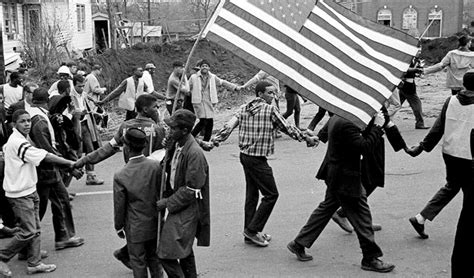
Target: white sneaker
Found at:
41, 268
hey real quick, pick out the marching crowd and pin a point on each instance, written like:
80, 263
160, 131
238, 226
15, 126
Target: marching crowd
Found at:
49, 136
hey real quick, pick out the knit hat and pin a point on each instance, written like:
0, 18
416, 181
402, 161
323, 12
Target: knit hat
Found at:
181, 118
135, 137
40, 96
468, 80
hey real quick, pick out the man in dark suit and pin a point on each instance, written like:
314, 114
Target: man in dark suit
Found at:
135, 196
341, 170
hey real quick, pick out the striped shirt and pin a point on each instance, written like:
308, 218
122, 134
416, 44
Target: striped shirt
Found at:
21, 159
257, 123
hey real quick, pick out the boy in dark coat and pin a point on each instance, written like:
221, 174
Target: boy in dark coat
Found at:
135, 196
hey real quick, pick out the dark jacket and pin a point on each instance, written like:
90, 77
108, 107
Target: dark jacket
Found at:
135, 197
188, 215
41, 138
341, 168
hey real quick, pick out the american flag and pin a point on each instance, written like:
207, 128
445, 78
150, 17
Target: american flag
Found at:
335, 58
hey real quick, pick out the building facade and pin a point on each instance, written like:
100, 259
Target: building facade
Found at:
427, 18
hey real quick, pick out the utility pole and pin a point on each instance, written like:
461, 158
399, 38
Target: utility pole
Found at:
149, 12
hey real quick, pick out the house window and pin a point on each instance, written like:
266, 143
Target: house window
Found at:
10, 20
384, 17
435, 21
81, 17
409, 19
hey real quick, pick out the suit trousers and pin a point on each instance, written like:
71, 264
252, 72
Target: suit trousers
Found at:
358, 213
142, 257
258, 178
293, 103
408, 92
26, 210
455, 169
63, 222
182, 268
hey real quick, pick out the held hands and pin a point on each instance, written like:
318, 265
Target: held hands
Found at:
311, 139
207, 146
77, 173
414, 151
379, 119
161, 204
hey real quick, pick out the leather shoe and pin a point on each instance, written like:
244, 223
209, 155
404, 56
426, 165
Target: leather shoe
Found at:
376, 227
377, 265
422, 127
124, 261
299, 251
342, 222
72, 242
419, 228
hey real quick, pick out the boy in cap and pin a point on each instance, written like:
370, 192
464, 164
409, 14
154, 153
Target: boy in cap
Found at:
187, 199
20, 187
135, 214
147, 77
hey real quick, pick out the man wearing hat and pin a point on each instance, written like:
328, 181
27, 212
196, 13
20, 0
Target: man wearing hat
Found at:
92, 86
64, 74
50, 185
135, 214
187, 199
172, 88
147, 77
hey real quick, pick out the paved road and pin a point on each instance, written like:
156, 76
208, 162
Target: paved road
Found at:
409, 185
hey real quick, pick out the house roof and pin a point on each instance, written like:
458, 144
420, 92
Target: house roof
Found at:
148, 31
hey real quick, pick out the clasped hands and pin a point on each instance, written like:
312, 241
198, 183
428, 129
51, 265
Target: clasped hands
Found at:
414, 151
312, 140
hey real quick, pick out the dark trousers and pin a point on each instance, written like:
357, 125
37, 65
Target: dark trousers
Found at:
293, 103
369, 188
87, 145
6, 211
455, 91
408, 92
207, 125
358, 213
258, 178
182, 268
142, 257
26, 210
446, 193
179, 105
317, 118
63, 222
461, 261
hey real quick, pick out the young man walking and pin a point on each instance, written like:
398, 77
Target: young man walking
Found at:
258, 120
21, 159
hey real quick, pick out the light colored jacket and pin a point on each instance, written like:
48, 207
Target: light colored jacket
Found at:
127, 99
458, 63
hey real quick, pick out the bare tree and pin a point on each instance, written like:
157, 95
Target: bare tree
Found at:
200, 9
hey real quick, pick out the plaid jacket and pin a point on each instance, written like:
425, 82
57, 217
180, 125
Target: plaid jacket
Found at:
257, 121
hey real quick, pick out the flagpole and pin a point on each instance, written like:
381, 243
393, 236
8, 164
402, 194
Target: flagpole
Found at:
426, 29
176, 98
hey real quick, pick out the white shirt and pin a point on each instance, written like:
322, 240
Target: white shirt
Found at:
174, 164
148, 81
11, 94
21, 159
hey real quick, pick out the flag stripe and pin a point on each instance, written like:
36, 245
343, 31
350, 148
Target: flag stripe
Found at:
387, 36
336, 108
292, 55
275, 33
245, 49
339, 30
333, 60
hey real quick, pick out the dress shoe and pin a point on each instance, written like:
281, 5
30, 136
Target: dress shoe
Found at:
377, 265
256, 238
376, 227
92, 179
267, 237
72, 242
23, 257
419, 228
342, 222
5, 270
299, 251
41, 268
124, 261
422, 127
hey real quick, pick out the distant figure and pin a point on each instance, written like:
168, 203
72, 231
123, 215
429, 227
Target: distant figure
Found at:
292, 104
13, 91
458, 62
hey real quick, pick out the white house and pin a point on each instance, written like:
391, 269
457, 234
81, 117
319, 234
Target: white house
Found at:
21, 20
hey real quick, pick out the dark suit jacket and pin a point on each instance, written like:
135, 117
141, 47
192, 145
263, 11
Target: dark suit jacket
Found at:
136, 188
341, 168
